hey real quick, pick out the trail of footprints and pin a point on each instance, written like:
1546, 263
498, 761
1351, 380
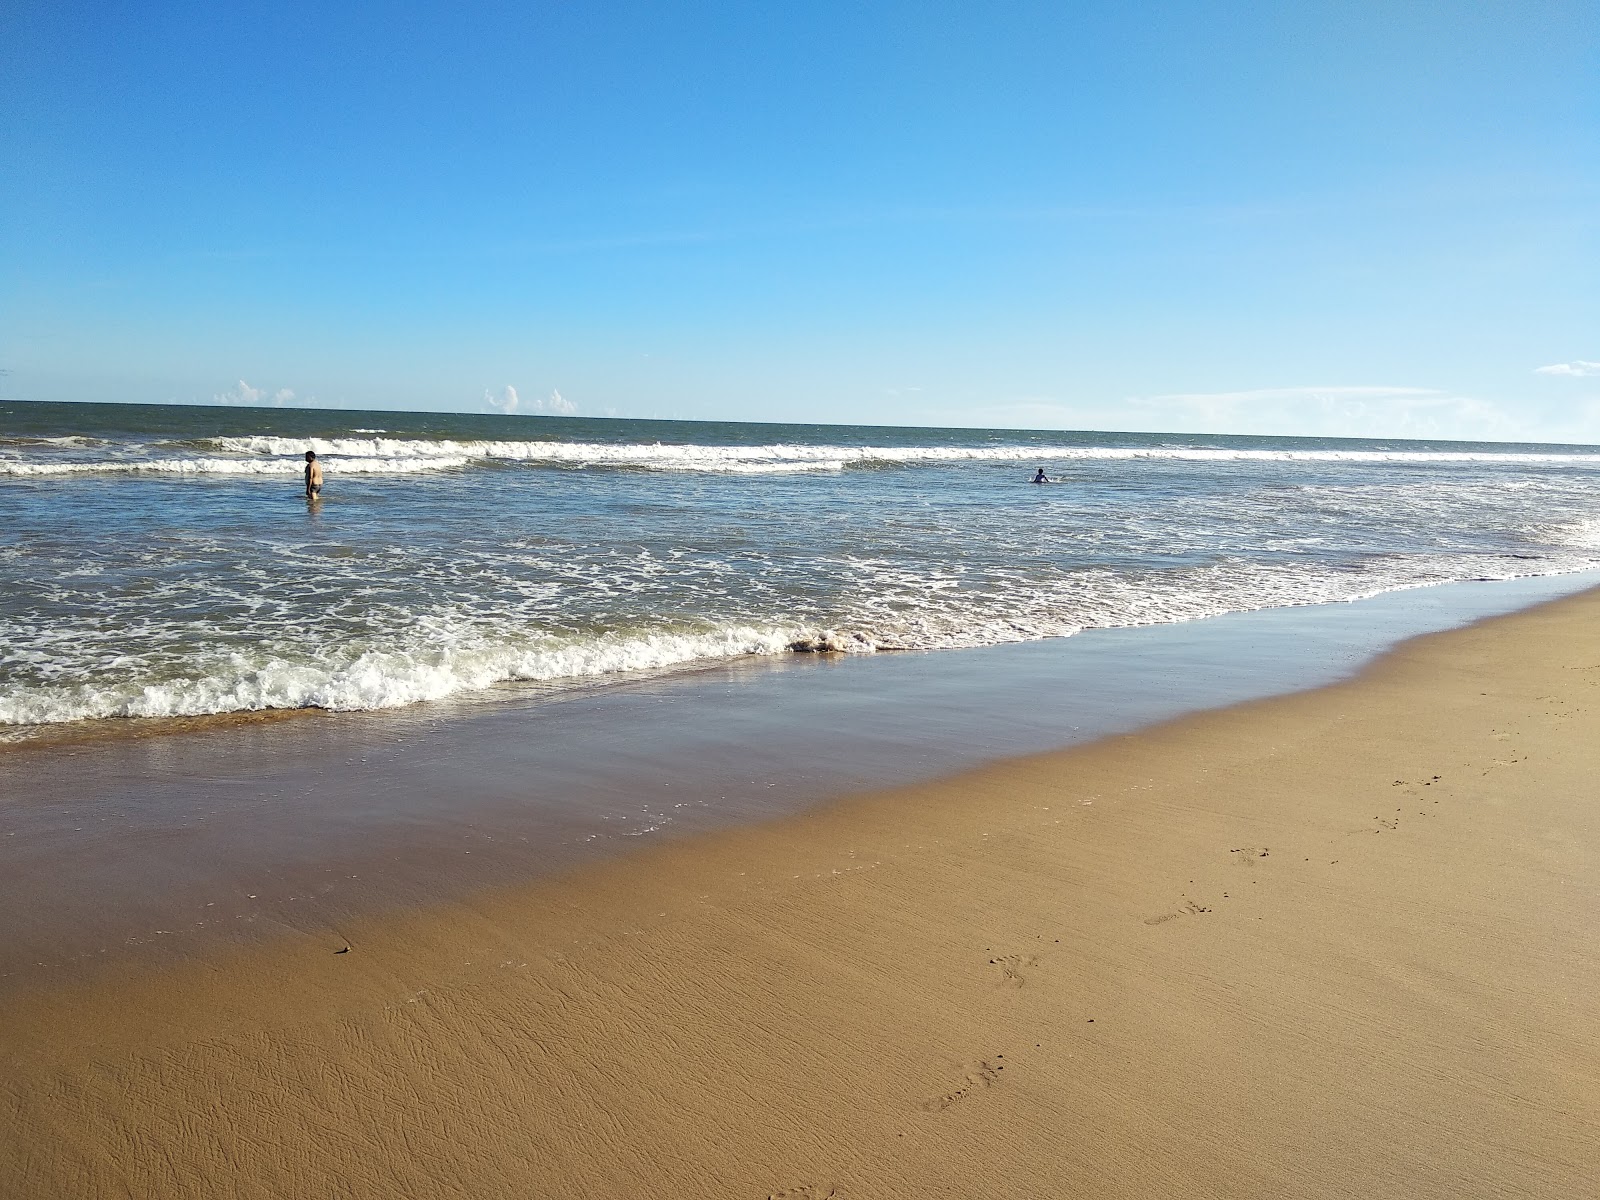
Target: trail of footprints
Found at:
1013, 970
1412, 791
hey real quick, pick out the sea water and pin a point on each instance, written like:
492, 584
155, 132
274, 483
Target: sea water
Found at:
163, 561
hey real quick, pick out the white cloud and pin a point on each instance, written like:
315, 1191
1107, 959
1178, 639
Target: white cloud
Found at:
1409, 412
243, 394
506, 402
1345, 411
1579, 367
509, 402
240, 393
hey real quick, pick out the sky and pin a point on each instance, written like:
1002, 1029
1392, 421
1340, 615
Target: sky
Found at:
1321, 218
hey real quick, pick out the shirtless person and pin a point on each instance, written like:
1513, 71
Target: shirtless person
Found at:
313, 476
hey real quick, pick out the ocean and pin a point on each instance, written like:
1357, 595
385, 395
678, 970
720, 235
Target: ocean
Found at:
160, 561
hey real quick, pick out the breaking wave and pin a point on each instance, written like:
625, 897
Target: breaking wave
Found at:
832, 457
277, 455
153, 606
230, 466
373, 678
68, 440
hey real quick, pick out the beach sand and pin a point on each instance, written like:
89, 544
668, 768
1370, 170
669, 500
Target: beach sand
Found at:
1337, 944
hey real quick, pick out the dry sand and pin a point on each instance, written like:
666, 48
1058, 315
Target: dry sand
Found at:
1340, 944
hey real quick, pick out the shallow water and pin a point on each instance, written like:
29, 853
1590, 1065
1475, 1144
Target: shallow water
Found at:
121, 848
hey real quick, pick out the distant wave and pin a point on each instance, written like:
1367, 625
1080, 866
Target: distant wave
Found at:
275, 455
831, 457
739, 467
656, 456
69, 440
230, 466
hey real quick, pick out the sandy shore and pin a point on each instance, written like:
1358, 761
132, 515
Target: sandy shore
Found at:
1338, 944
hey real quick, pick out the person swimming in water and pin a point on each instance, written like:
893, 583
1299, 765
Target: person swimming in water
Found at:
1041, 477
313, 476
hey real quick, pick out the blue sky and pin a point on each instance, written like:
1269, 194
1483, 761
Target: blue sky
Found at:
1322, 218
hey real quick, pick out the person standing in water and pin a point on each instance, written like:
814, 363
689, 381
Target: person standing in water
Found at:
1041, 477
313, 476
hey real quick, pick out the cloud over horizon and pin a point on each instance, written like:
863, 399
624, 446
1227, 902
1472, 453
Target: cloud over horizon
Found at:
1340, 411
1579, 367
244, 395
508, 402
1364, 411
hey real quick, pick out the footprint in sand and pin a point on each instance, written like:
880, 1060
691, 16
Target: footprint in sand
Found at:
982, 1075
1246, 855
807, 1191
1190, 908
1011, 967
1413, 786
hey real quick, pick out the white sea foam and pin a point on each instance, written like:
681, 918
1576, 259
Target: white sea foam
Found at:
378, 678
230, 466
1582, 535
68, 440
434, 657
145, 609
831, 457
278, 455
741, 467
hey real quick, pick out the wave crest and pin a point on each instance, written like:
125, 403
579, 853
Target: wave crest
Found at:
386, 678
230, 466
690, 456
